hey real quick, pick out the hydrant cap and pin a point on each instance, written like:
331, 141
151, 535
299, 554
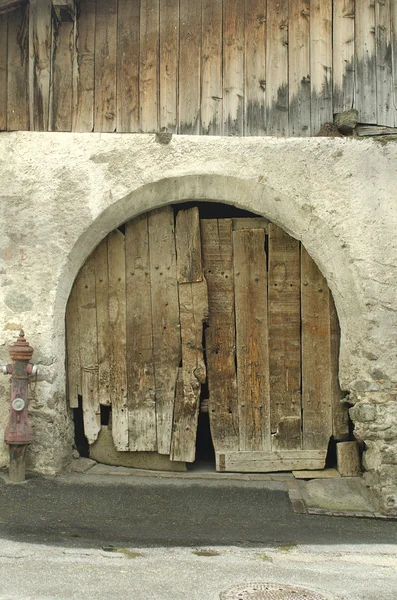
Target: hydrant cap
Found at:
21, 349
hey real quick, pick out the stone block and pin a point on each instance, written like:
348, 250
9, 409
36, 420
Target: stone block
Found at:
348, 459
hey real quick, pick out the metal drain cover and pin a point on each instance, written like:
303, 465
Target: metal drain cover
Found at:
269, 591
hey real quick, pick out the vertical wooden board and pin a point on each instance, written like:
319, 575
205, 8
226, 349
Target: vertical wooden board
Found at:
277, 68
89, 350
3, 72
149, 65
220, 335
128, 66
61, 105
117, 329
250, 280
189, 67
316, 357
321, 63
211, 68
17, 64
40, 45
188, 246
165, 320
103, 326
105, 66
365, 57
233, 68
284, 339
84, 75
169, 52
255, 67
343, 55
140, 364
393, 10
340, 414
386, 110
73, 330
299, 68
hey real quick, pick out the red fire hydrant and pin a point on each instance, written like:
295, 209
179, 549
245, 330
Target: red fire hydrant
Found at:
18, 433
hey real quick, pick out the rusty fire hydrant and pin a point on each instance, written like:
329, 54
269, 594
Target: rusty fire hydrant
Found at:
18, 433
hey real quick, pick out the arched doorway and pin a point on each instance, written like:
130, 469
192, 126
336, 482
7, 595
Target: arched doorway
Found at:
191, 308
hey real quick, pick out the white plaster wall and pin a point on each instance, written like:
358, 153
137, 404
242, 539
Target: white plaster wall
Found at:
62, 193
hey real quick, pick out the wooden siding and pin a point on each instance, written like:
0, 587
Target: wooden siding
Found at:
218, 67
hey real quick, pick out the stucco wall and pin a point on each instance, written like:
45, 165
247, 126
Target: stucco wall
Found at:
62, 193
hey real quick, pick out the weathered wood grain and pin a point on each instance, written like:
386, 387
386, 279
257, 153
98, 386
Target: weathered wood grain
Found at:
299, 68
127, 66
17, 65
73, 330
284, 339
365, 62
386, 110
255, 67
84, 68
265, 462
61, 96
277, 68
343, 55
316, 356
393, 13
165, 320
169, 52
250, 223
233, 68
3, 71
9, 5
189, 67
149, 66
105, 66
250, 281
220, 335
188, 246
340, 414
211, 68
40, 36
117, 329
140, 365
321, 63
103, 324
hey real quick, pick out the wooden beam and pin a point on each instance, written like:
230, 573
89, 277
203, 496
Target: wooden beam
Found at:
267, 462
7, 5
65, 10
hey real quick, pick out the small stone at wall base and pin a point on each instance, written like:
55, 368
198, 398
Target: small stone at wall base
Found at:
82, 465
348, 459
346, 121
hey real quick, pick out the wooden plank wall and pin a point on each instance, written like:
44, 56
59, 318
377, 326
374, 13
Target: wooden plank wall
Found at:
209, 67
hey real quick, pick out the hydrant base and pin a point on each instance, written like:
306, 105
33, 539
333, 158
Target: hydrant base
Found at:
17, 463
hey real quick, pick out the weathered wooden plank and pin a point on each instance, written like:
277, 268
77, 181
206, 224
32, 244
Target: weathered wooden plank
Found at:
17, 64
255, 67
165, 320
105, 66
103, 325
250, 223
321, 63
189, 67
40, 36
61, 100
250, 281
8, 5
65, 10
149, 65
386, 110
299, 68
284, 339
84, 71
340, 414
169, 52
211, 68
140, 365
73, 330
220, 335
128, 66
89, 350
393, 10
277, 68
188, 246
316, 356
3, 71
233, 68
117, 328
266, 462
343, 55
193, 306
365, 59
371, 130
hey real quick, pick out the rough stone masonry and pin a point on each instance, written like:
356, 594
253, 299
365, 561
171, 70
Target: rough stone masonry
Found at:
62, 193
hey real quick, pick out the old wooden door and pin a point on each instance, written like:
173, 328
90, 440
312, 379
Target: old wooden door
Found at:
135, 324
